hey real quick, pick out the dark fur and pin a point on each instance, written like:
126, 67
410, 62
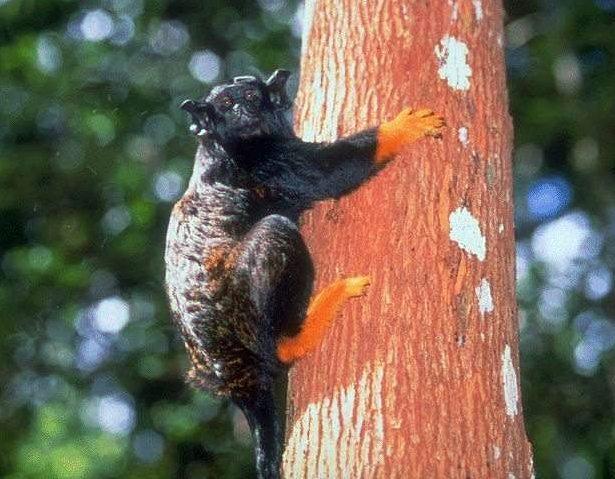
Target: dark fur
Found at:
238, 272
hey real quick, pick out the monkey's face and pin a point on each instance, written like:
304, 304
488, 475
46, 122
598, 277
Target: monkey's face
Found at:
244, 109
241, 109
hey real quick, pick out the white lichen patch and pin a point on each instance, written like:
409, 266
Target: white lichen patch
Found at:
339, 422
483, 294
454, 10
530, 468
307, 17
501, 228
465, 231
478, 9
509, 381
497, 452
463, 136
452, 58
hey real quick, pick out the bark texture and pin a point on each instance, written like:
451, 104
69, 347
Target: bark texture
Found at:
419, 378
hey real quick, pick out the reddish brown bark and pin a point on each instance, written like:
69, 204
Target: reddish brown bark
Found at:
419, 378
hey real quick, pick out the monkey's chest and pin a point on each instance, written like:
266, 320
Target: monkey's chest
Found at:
266, 200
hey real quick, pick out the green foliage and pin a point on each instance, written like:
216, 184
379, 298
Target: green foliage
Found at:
561, 58
93, 152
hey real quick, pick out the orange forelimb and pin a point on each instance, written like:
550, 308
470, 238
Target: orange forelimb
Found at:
406, 128
320, 314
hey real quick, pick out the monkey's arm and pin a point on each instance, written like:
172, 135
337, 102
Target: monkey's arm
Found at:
329, 170
364, 153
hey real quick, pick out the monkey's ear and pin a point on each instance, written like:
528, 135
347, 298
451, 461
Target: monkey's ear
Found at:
276, 86
201, 114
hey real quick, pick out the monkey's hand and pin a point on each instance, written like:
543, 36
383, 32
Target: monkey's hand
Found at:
407, 127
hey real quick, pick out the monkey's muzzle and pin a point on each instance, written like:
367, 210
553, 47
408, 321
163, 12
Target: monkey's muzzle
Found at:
200, 116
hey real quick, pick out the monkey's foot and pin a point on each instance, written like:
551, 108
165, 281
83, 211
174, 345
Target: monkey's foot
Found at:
407, 127
357, 285
320, 314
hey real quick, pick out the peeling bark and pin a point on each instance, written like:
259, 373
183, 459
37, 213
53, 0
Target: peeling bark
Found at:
420, 377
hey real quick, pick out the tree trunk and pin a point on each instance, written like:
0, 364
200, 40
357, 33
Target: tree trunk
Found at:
420, 378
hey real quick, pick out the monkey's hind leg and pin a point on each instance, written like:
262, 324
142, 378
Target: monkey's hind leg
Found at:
320, 314
275, 269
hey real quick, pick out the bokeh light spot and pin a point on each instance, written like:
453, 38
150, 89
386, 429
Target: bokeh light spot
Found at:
148, 445
168, 186
124, 31
96, 25
48, 55
91, 353
160, 128
567, 72
132, 8
577, 467
548, 196
598, 283
115, 414
116, 220
562, 241
168, 37
40, 258
585, 153
204, 66
597, 337
608, 5
111, 315
272, 5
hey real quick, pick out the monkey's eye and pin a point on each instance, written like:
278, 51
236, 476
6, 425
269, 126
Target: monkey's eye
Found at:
226, 102
251, 95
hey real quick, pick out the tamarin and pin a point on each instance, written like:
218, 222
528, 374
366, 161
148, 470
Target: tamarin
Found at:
238, 274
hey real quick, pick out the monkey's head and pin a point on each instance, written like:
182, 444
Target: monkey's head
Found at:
243, 109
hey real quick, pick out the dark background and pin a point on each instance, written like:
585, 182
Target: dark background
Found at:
94, 151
